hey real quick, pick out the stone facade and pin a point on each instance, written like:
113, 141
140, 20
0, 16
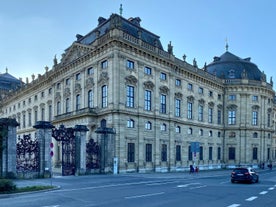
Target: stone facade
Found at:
158, 104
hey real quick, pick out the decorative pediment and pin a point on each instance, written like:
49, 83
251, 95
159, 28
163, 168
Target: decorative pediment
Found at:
211, 104
232, 107
131, 80
149, 85
190, 98
178, 95
201, 101
164, 89
220, 106
74, 52
255, 107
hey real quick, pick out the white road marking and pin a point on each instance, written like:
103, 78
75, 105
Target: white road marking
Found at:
270, 188
263, 192
234, 205
186, 185
144, 195
202, 186
164, 183
251, 198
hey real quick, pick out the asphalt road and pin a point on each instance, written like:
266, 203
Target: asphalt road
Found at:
212, 188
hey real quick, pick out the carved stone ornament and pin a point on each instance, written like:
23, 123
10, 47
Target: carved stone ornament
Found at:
103, 78
89, 82
201, 101
149, 85
77, 88
232, 107
67, 92
131, 80
211, 104
190, 98
164, 89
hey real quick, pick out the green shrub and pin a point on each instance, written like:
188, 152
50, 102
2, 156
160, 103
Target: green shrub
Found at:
6, 186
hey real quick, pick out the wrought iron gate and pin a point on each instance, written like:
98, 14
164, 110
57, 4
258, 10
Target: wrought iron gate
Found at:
27, 154
92, 155
67, 138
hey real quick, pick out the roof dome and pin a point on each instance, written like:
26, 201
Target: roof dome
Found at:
229, 66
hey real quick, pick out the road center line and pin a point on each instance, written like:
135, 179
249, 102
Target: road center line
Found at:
263, 192
144, 195
234, 205
251, 198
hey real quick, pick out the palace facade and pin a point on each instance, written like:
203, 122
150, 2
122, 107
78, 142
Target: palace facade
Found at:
167, 113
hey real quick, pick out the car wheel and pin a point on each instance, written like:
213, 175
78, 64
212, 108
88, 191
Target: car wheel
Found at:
232, 181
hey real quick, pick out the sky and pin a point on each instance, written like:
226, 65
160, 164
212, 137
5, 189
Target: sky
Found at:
33, 32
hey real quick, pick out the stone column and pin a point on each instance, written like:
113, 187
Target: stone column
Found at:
80, 133
8, 145
44, 137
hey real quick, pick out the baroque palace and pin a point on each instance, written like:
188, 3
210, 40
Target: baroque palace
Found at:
167, 113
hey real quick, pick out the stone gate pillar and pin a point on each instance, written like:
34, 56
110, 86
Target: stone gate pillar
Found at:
80, 134
8, 145
44, 137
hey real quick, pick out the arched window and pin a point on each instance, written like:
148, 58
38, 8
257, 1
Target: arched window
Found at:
177, 129
163, 127
130, 123
148, 125
190, 131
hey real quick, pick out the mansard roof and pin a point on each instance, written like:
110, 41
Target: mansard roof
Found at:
230, 66
8, 82
130, 26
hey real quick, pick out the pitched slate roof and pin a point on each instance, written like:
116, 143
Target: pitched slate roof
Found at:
8, 82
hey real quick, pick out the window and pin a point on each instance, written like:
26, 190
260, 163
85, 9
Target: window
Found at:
43, 114
177, 129
163, 76
67, 81
268, 153
178, 153
90, 71
177, 82
29, 119
90, 99
219, 134
148, 125
200, 113
42, 94
104, 96
130, 64
231, 117
78, 102
219, 96
50, 112
58, 108
104, 64
50, 91
147, 70
78, 76
219, 153
130, 152
255, 153
164, 153
219, 116
200, 132
190, 153
190, 86
58, 85
24, 120
147, 100
163, 127
190, 131
254, 98
268, 119
255, 135
35, 116
232, 97
254, 118
210, 133
130, 96
210, 153
232, 153
148, 152
210, 93
190, 110
35, 97
200, 153
163, 104
210, 115
200, 90
130, 123
67, 105
177, 107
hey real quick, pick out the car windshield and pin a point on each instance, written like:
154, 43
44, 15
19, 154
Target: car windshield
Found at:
240, 170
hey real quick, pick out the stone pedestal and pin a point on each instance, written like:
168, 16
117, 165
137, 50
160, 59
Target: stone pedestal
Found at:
44, 137
8, 145
80, 135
